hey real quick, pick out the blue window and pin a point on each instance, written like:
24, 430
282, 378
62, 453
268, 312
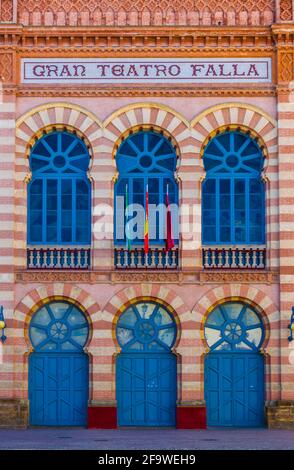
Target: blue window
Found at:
146, 327
59, 194
234, 326
233, 196
146, 158
59, 326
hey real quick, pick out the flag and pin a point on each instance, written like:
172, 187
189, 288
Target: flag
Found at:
128, 241
169, 237
146, 228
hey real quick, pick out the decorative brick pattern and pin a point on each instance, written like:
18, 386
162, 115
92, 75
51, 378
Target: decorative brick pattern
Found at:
6, 11
286, 66
146, 12
286, 10
6, 67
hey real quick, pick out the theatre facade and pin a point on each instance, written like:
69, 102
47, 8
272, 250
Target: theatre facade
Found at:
115, 316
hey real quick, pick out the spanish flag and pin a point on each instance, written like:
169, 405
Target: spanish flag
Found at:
146, 228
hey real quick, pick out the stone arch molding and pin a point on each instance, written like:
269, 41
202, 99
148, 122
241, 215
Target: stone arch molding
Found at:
149, 114
50, 114
56, 291
240, 114
102, 136
242, 292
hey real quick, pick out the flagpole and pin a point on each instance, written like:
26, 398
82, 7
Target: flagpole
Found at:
146, 231
167, 209
128, 244
169, 238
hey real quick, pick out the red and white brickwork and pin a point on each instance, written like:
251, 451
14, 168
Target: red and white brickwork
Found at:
286, 228
103, 137
189, 116
8, 239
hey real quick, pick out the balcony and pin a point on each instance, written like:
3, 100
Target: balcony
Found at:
58, 258
234, 258
157, 258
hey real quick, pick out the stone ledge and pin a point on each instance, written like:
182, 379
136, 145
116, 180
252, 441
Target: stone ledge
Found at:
13, 413
133, 276
281, 415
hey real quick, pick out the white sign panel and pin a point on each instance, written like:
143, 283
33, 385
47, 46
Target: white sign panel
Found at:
122, 71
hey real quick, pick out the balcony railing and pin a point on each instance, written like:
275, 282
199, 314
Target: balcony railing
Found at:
58, 258
234, 258
156, 258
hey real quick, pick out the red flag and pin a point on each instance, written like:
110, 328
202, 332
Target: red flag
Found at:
146, 228
169, 237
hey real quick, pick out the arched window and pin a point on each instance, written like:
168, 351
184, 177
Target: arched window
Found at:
146, 158
59, 194
59, 327
233, 196
146, 327
234, 326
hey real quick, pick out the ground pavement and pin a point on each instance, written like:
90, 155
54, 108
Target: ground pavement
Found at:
146, 439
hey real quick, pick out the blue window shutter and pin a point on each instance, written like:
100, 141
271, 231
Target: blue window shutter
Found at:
59, 192
233, 195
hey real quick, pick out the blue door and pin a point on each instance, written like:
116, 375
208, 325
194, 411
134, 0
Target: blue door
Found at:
234, 389
58, 389
146, 369
58, 367
146, 390
234, 367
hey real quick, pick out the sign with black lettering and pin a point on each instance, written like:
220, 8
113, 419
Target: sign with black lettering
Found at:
128, 70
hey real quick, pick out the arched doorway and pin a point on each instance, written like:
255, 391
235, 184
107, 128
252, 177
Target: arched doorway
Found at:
146, 369
234, 367
58, 367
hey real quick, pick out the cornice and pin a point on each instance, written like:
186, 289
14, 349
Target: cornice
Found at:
283, 90
283, 34
283, 28
148, 30
17, 41
137, 91
159, 39
161, 277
